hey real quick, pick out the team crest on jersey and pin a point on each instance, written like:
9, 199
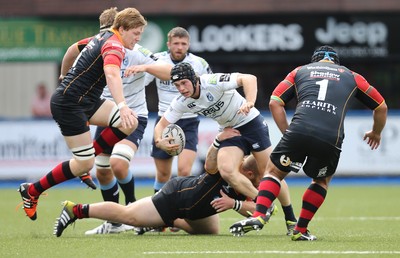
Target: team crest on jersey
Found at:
209, 96
341, 70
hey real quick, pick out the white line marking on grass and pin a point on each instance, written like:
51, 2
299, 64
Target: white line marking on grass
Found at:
337, 218
275, 252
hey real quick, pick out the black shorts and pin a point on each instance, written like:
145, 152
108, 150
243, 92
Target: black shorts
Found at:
70, 116
135, 137
188, 197
191, 128
254, 136
293, 150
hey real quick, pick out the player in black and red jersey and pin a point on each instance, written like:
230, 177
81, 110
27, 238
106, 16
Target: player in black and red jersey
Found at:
190, 203
324, 90
76, 103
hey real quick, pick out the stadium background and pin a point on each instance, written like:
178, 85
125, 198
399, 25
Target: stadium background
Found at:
262, 37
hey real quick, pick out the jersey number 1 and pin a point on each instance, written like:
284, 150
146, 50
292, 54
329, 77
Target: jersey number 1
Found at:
323, 86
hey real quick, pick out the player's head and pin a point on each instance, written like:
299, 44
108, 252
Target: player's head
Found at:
184, 71
106, 18
325, 53
250, 169
178, 43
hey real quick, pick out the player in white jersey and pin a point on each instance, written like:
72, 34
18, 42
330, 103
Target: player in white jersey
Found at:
178, 46
113, 171
215, 96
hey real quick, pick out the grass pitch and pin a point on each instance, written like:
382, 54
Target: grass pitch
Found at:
354, 221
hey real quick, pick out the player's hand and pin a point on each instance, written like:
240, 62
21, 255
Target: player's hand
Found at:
373, 139
88, 180
223, 203
245, 108
128, 117
166, 144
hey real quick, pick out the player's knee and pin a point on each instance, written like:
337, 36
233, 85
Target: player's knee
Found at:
184, 171
84, 155
121, 157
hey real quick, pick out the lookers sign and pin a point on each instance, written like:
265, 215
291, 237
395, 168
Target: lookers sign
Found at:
354, 36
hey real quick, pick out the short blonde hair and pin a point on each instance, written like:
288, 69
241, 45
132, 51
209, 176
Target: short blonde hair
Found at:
129, 18
178, 32
106, 18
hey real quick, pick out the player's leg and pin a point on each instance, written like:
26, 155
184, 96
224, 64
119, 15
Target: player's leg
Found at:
228, 160
140, 213
185, 162
187, 157
208, 225
108, 115
284, 199
163, 171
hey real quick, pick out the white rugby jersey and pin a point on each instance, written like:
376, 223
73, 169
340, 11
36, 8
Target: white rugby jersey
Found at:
134, 85
218, 100
166, 90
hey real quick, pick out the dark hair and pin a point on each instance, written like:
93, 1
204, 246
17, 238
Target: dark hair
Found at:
325, 52
183, 71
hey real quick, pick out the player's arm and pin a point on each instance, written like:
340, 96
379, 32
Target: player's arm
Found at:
371, 98
277, 109
160, 70
226, 203
68, 59
249, 84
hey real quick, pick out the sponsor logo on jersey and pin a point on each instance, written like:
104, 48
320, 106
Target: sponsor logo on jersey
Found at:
191, 105
214, 108
225, 78
325, 75
320, 105
212, 79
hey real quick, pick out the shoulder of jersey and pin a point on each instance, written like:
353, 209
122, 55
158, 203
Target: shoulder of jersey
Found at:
198, 59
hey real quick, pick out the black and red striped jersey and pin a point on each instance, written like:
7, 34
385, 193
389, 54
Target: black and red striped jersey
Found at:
324, 92
85, 80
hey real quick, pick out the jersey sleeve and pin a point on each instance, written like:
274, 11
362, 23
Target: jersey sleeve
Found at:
81, 44
366, 93
285, 90
225, 81
113, 52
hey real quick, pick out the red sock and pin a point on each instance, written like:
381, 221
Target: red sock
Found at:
107, 139
313, 198
267, 192
62, 172
81, 211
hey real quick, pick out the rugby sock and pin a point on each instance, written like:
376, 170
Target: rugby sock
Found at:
81, 211
128, 187
268, 190
62, 172
107, 139
289, 214
110, 192
313, 198
157, 186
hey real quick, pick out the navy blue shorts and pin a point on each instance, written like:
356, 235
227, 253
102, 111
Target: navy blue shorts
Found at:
191, 128
294, 148
254, 136
134, 137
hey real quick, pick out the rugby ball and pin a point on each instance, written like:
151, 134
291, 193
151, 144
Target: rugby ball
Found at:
177, 135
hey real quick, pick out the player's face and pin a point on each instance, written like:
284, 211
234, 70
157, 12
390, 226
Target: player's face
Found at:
131, 37
184, 87
178, 47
